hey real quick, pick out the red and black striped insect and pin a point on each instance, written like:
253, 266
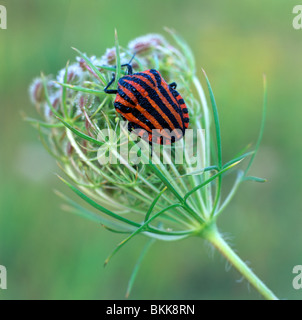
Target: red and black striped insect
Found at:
149, 103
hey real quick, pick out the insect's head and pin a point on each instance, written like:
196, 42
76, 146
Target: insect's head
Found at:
129, 72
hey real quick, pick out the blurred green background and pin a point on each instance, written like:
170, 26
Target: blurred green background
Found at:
51, 254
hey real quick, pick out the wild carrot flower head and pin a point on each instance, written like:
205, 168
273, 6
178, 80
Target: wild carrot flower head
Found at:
159, 198
36, 91
75, 74
83, 118
145, 44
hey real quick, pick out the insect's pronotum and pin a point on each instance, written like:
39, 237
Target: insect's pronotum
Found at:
149, 103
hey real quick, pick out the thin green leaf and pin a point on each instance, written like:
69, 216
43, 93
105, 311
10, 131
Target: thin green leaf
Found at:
137, 266
153, 204
80, 134
243, 150
217, 196
112, 69
198, 172
92, 66
238, 159
170, 237
216, 120
99, 207
210, 179
85, 215
118, 60
99, 107
160, 233
165, 181
256, 179
114, 230
172, 189
83, 212
81, 89
230, 195
262, 124
44, 143
44, 124
138, 230
186, 49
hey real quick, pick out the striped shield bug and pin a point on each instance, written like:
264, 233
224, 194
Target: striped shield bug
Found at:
154, 109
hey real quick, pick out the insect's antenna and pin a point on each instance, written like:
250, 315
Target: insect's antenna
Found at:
132, 58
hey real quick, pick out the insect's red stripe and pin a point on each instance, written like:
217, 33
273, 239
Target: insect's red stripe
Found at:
130, 117
157, 140
165, 101
141, 89
141, 110
166, 86
153, 104
128, 93
151, 101
123, 101
184, 110
180, 102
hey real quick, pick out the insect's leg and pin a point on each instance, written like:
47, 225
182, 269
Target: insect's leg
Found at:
110, 91
129, 68
173, 85
128, 65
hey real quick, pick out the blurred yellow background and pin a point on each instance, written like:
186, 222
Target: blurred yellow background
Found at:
51, 254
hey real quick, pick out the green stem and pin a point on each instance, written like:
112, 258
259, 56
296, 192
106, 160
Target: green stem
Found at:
214, 237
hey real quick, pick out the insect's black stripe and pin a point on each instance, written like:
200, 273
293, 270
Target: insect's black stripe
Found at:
174, 105
144, 101
167, 110
162, 89
138, 130
181, 101
138, 115
154, 96
180, 108
165, 93
140, 118
184, 110
124, 95
146, 76
157, 76
122, 107
167, 96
